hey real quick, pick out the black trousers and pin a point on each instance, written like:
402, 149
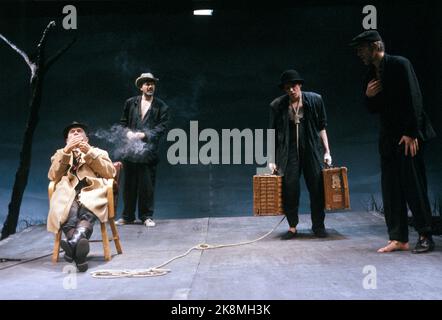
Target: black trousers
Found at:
139, 184
308, 164
78, 215
404, 182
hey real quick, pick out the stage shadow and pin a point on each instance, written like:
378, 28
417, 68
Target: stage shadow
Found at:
332, 235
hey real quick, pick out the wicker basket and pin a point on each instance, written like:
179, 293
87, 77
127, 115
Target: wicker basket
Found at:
267, 195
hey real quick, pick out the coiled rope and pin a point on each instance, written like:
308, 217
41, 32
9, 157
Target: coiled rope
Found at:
159, 271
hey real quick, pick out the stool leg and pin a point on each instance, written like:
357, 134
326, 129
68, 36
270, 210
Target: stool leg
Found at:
56, 250
115, 235
106, 247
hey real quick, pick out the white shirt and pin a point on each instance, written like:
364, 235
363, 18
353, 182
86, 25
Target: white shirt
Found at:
145, 106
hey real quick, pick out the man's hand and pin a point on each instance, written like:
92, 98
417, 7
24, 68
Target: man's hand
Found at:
272, 167
327, 158
373, 88
410, 144
72, 144
84, 147
135, 135
130, 135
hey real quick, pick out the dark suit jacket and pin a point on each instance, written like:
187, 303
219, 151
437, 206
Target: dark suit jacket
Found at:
399, 104
315, 120
154, 126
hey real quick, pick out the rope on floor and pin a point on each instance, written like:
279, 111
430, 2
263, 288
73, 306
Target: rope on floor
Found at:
159, 271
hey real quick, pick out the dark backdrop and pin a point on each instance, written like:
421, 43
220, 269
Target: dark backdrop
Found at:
220, 70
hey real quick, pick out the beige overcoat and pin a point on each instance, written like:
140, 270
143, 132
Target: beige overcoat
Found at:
96, 167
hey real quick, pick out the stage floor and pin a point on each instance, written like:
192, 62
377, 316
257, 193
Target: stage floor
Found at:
336, 267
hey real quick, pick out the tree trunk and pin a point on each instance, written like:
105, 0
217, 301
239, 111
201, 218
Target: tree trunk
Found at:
39, 67
22, 174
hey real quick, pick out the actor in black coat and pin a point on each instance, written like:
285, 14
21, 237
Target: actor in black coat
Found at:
299, 120
147, 119
153, 126
399, 104
392, 91
315, 120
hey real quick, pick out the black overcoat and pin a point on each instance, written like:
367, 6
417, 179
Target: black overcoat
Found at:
399, 104
315, 120
153, 125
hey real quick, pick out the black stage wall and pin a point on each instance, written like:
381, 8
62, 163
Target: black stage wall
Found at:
221, 71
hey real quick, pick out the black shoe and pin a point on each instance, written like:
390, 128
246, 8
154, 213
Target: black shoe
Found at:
424, 245
81, 252
288, 235
320, 233
68, 252
80, 243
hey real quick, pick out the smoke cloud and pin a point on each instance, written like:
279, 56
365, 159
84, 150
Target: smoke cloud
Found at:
114, 140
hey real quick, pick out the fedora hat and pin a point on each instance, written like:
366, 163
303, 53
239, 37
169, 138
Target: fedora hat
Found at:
74, 124
143, 77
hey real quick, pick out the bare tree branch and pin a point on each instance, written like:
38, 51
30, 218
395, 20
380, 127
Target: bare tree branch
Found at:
42, 43
54, 57
38, 69
22, 53
43, 36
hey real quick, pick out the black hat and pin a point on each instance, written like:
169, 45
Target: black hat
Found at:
366, 36
74, 124
290, 76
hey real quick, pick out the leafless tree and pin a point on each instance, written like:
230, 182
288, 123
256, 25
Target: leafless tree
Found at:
39, 66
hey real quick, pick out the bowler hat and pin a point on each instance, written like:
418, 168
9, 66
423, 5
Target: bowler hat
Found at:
290, 76
366, 36
144, 77
74, 124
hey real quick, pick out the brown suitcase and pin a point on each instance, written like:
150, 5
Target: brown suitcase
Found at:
267, 195
336, 192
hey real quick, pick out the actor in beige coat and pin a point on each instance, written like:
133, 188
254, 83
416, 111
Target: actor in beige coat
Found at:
80, 197
96, 167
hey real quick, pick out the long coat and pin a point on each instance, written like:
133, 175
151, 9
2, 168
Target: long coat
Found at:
153, 125
399, 104
96, 167
315, 121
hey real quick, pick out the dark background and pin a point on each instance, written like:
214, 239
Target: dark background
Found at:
220, 70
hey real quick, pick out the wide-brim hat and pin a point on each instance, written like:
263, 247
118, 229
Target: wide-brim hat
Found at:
365, 37
143, 77
74, 124
290, 76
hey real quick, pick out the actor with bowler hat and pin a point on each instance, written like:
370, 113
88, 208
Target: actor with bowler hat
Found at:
300, 121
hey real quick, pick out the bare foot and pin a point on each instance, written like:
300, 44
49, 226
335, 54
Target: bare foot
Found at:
394, 246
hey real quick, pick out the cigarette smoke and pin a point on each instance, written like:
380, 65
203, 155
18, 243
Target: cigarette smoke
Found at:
114, 140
